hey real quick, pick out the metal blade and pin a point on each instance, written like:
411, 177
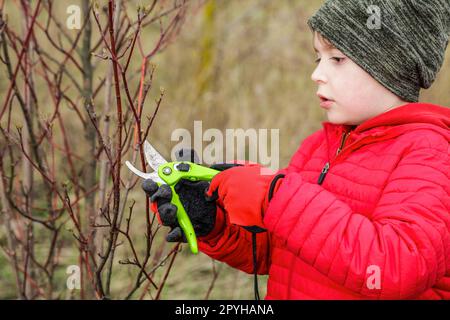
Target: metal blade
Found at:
154, 159
153, 176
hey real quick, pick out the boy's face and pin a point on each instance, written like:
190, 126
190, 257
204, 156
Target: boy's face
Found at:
346, 91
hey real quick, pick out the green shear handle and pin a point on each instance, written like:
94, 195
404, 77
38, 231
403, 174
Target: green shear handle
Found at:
171, 173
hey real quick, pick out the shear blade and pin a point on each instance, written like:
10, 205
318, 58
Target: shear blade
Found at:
153, 175
153, 157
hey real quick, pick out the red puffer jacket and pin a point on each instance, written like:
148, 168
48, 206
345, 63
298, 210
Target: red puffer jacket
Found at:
363, 212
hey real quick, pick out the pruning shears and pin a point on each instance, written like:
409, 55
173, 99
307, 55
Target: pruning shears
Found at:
170, 173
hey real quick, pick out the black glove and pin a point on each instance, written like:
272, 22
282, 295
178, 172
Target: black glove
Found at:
200, 208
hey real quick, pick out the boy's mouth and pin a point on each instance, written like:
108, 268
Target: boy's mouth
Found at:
324, 101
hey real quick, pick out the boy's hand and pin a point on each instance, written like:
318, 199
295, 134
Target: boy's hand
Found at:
243, 193
241, 190
200, 209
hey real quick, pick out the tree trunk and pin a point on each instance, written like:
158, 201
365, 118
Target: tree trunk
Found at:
89, 170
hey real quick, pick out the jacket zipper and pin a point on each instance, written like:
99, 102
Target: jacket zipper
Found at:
326, 168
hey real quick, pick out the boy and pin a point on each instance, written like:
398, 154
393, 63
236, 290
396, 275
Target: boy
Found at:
363, 209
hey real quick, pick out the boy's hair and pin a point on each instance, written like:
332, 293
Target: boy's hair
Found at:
324, 41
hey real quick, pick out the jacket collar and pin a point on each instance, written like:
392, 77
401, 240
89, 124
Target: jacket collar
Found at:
392, 123
406, 117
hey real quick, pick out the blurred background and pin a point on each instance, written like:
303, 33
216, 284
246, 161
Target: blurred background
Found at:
231, 64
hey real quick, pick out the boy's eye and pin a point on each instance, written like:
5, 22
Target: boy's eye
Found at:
337, 59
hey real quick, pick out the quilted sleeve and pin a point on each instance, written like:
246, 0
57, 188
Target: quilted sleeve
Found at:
398, 253
233, 245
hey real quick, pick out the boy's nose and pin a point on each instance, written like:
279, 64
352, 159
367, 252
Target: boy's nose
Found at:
318, 76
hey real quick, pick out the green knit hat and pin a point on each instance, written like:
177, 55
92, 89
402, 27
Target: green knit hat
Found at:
400, 43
